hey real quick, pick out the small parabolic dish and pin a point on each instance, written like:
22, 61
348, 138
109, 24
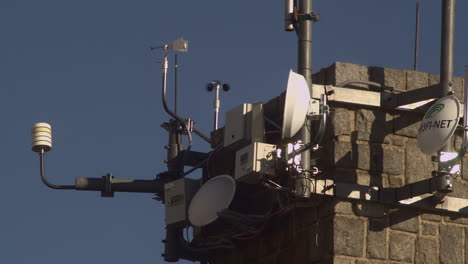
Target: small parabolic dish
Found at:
439, 124
296, 105
214, 196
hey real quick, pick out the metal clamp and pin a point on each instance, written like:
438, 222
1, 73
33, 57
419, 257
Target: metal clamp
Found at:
190, 126
443, 181
107, 190
309, 16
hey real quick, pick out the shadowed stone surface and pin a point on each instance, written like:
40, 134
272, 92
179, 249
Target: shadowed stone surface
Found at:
374, 126
377, 239
389, 77
426, 251
405, 220
348, 236
418, 166
401, 247
451, 238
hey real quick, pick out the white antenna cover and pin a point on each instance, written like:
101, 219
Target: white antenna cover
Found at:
439, 124
296, 105
214, 196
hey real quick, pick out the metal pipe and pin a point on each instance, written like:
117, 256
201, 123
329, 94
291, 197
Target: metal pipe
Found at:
164, 101
289, 15
416, 39
43, 177
175, 83
166, 108
99, 184
171, 243
447, 43
446, 58
119, 185
174, 146
216, 106
305, 68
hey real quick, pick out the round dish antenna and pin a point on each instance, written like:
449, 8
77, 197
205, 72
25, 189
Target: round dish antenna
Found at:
214, 196
296, 105
439, 124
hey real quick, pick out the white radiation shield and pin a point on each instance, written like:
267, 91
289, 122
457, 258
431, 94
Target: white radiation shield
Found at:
296, 105
214, 196
439, 124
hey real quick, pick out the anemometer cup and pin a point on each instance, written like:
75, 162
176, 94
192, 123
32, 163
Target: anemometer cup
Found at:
214, 84
226, 87
210, 87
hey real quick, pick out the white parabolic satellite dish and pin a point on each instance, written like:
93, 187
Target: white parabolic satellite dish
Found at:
296, 105
214, 196
439, 124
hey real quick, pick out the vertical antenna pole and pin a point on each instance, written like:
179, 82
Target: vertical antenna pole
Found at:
175, 84
447, 40
416, 39
305, 69
216, 107
446, 77
173, 149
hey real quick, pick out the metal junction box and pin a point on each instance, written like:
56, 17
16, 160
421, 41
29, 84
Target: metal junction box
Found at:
244, 124
177, 197
254, 161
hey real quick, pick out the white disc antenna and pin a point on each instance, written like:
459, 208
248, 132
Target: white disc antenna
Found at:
214, 196
296, 105
439, 124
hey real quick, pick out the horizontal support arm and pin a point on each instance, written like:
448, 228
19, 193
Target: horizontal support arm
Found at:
118, 185
421, 195
385, 99
106, 184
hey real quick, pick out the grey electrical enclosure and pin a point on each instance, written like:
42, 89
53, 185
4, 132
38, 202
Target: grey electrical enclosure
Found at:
177, 197
244, 124
254, 161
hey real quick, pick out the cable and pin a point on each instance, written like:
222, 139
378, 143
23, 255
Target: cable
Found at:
210, 157
241, 236
271, 122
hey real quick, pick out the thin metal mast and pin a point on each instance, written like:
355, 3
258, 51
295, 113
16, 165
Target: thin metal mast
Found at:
176, 66
446, 52
416, 39
216, 107
447, 40
446, 78
305, 69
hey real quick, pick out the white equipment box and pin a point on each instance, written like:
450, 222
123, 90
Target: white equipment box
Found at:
244, 124
254, 161
177, 197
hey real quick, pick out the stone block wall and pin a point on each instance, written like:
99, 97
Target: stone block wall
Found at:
367, 146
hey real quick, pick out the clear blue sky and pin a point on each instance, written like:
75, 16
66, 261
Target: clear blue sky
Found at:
85, 67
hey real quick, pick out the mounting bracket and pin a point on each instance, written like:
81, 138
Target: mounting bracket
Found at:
314, 16
421, 195
388, 100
